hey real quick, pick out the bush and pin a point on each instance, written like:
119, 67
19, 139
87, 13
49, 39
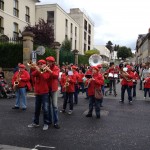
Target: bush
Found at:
10, 54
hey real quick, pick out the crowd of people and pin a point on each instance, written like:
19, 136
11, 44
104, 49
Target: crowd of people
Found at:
45, 77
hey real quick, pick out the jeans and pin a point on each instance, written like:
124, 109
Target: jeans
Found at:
93, 101
103, 91
129, 91
41, 101
53, 109
145, 91
66, 97
141, 83
21, 93
76, 94
112, 86
134, 90
81, 84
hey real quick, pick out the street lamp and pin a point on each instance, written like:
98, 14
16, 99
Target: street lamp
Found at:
56, 46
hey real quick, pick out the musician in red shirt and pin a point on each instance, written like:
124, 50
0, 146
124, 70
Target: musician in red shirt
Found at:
147, 86
41, 91
96, 81
20, 80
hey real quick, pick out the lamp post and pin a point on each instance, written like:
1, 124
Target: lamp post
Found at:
56, 46
75, 51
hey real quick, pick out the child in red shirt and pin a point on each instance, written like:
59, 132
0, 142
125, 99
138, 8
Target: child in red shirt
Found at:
147, 85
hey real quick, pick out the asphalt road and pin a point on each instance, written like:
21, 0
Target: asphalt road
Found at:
121, 127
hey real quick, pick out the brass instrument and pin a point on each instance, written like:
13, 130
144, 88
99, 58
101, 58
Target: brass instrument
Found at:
42, 70
31, 64
123, 74
66, 83
16, 83
95, 60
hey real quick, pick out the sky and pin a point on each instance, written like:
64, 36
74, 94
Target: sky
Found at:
118, 21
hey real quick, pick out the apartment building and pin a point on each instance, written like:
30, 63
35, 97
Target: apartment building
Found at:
104, 52
143, 48
64, 26
15, 15
86, 27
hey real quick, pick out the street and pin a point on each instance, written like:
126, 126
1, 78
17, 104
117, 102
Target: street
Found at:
121, 127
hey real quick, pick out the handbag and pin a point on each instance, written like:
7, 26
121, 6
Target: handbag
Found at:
98, 93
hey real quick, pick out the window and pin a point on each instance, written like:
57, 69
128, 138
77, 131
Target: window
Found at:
16, 10
75, 31
2, 4
16, 30
50, 17
1, 25
27, 15
85, 25
71, 30
89, 29
66, 23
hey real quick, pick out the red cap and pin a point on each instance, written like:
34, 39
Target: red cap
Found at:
99, 66
50, 58
41, 61
22, 66
129, 67
74, 67
95, 67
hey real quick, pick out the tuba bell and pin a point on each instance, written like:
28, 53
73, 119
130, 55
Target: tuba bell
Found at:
95, 60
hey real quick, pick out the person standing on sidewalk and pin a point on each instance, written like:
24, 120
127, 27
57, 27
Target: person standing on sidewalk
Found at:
20, 80
41, 91
53, 82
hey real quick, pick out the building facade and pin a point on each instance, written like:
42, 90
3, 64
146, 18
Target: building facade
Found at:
143, 48
86, 27
64, 26
104, 52
15, 15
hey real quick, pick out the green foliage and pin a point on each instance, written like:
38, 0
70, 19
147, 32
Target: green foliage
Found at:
124, 52
91, 52
10, 55
83, 59
116, 47
48, 52
66, 45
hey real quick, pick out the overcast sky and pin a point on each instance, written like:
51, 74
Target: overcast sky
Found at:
118, 21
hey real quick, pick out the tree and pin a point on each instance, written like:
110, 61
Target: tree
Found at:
124, 52
44, 33
109, 46
91, 52
116, 47
66, 45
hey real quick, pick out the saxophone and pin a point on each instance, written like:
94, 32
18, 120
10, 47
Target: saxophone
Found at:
66, 83
16, 83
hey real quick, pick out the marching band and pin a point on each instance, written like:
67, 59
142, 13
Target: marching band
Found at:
47, 77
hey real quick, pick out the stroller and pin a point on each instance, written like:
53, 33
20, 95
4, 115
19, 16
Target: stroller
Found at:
6, 90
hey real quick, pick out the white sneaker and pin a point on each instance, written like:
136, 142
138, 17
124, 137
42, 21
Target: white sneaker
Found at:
33, 125
45, 127
70, 112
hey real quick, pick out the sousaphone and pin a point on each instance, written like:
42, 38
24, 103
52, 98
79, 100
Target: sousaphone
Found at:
95, 60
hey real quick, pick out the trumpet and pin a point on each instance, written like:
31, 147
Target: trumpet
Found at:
42, 70
31, 64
